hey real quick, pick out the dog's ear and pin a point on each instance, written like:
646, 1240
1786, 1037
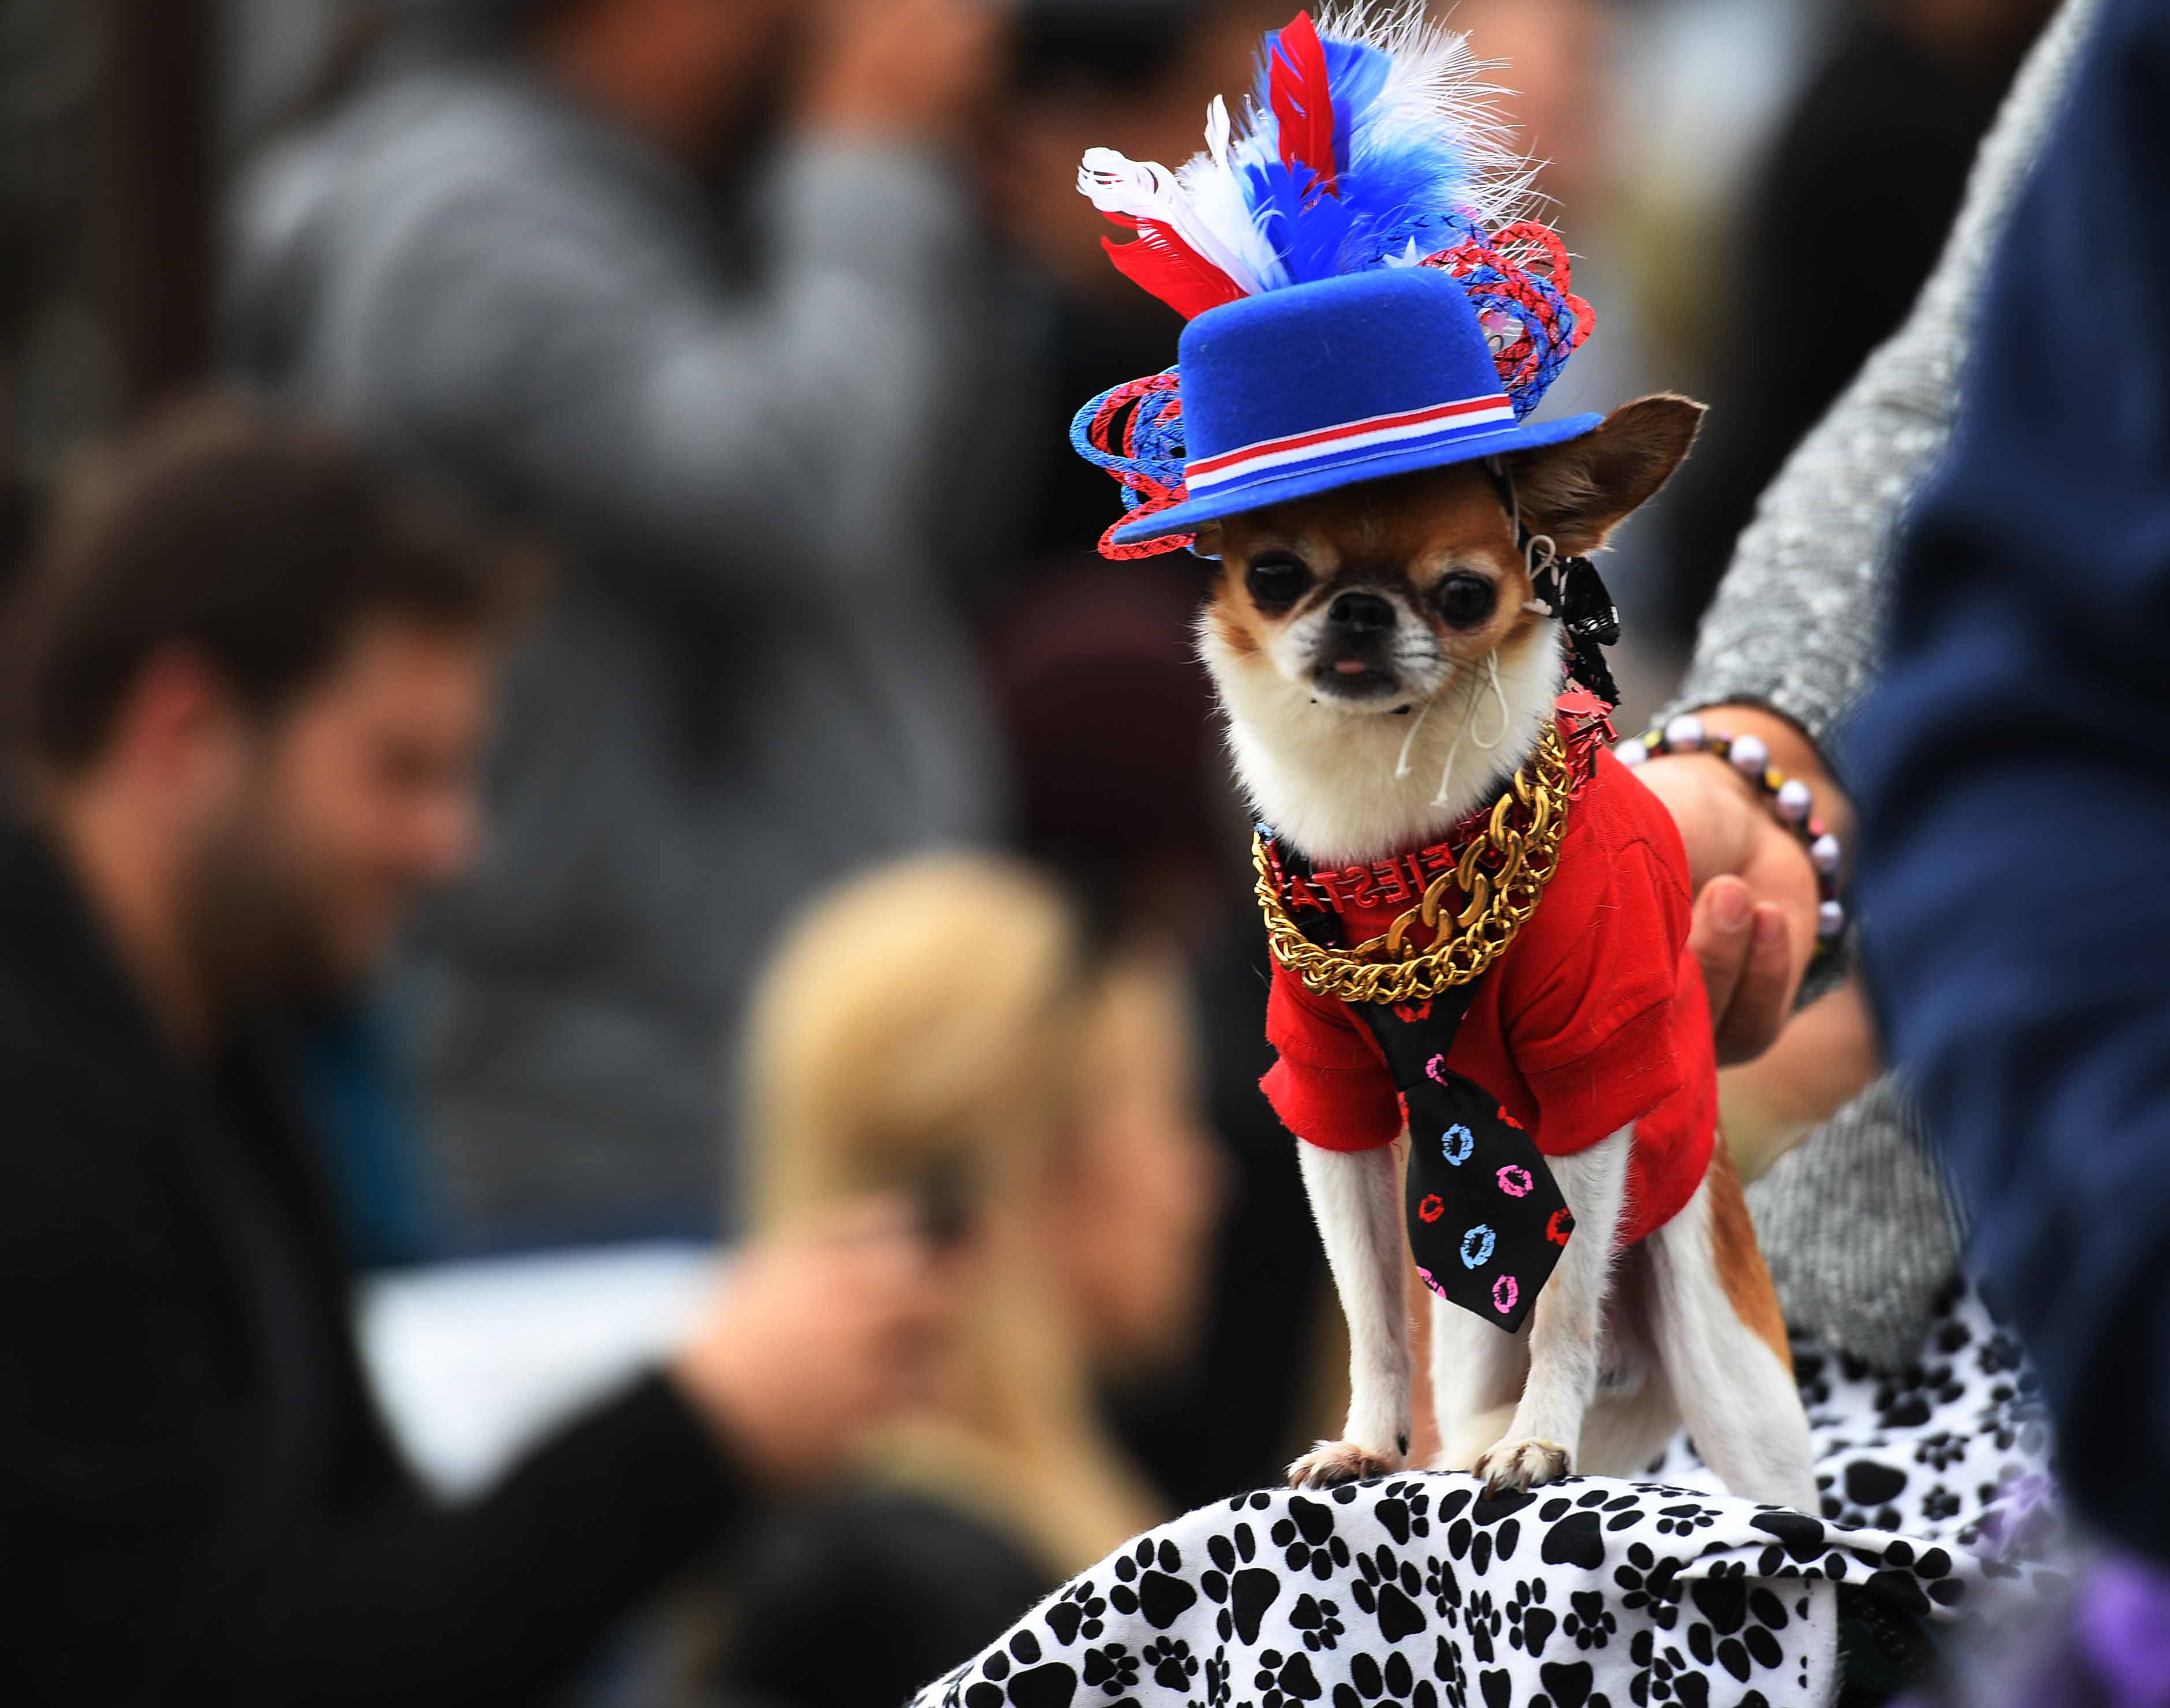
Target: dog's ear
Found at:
1579, 491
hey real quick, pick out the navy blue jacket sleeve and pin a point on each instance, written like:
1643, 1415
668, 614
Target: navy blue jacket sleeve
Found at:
2014, 773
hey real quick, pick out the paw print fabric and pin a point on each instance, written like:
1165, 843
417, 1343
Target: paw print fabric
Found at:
1419, 1591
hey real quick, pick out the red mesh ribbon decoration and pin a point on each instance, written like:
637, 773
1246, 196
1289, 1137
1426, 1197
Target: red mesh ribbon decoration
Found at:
1145, 457
1522, 270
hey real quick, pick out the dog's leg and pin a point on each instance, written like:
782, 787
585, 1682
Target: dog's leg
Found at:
1477, 1376
1356, 1197
1567, 1327
1723, 1341
1719, 1333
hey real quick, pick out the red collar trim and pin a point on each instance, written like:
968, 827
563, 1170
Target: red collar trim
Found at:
1401, 879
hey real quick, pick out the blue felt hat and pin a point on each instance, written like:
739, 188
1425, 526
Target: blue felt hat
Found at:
1298, 392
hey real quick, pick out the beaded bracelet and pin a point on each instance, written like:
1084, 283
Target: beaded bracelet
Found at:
1790, 799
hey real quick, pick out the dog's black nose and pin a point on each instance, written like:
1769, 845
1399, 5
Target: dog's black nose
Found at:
1359, 614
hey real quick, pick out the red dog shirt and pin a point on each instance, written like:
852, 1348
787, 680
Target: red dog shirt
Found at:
1594, 1016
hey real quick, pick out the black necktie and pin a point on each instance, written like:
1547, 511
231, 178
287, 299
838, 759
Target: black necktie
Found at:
1487, 1222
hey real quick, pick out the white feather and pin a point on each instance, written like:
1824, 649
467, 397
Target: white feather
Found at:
1219, 128
1145, 190
1437, 83
1215, 186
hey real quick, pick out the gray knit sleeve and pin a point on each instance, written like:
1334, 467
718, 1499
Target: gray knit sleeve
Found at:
1859, 1225
1797, 623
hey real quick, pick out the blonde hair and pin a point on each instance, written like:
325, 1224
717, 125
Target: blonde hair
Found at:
928, 1017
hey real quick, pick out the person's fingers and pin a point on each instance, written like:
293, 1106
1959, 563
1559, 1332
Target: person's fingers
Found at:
1718, 934
1763, 992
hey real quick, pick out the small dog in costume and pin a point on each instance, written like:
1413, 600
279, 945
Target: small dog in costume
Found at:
1479, 918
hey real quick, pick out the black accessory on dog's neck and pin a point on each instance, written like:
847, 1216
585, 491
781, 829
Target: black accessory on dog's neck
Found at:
1571, 590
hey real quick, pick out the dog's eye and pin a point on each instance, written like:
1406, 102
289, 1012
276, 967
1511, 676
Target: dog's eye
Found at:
1277, 581
1465, 601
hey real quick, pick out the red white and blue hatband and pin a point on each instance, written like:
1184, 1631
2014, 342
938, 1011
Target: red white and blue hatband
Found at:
1304, 390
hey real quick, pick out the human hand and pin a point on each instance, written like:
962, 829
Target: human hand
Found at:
1754, 922
911, 67
818, 1336
1826, 1056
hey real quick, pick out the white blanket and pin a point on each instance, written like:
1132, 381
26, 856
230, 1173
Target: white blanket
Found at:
1413, 1591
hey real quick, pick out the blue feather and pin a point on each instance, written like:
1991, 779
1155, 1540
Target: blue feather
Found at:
1391, 187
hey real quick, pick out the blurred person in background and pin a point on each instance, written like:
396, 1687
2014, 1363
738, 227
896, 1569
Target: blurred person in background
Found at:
1134, 75
1122, 787
1850, 214
2017, 800
529, 254
251, 681
1559, 63
944, 1029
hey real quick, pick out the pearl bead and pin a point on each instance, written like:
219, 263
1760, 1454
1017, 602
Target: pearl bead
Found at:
1750, 756
1632, 752
1793, 800
1684, 734
1825, 853
1831, 919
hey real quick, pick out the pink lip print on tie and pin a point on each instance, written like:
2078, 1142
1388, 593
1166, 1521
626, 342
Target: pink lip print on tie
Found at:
1514, 1181
1436, 1069
1430, 1281
1504, 1292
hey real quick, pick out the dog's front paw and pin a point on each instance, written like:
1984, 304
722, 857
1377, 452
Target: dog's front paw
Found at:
1332, 1463
1522, 1466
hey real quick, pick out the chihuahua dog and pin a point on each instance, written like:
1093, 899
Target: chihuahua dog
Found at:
1384, 666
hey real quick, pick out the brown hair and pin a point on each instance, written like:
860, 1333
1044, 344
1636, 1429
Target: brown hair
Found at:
260, 539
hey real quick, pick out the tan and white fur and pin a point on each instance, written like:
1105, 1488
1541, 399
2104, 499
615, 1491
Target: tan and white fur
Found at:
1383, 668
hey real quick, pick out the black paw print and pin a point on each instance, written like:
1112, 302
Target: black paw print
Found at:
1999, 1353
1529, 1622
1077, 1613
1283, 1681
1651, 1582
1939, 1451
1320, 1622
1371, 1681
1217, 1690
1685, 1518
1443, 1586
1482, 1622
1591, 1623
1939, 1503
1308, 1541
1405, 1509
1446, 1667
1114, 1668
1173, 1667
1670, 1676
1386, 1588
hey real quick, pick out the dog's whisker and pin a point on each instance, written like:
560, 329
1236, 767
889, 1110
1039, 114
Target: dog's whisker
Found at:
1409, 740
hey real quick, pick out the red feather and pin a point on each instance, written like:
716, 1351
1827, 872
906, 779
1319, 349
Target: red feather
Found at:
1301, 90
1163, 263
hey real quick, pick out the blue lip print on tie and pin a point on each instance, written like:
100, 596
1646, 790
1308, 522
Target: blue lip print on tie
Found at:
1456, 1143
1477, 1247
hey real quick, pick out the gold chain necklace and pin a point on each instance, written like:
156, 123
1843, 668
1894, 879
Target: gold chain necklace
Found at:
1503, 871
